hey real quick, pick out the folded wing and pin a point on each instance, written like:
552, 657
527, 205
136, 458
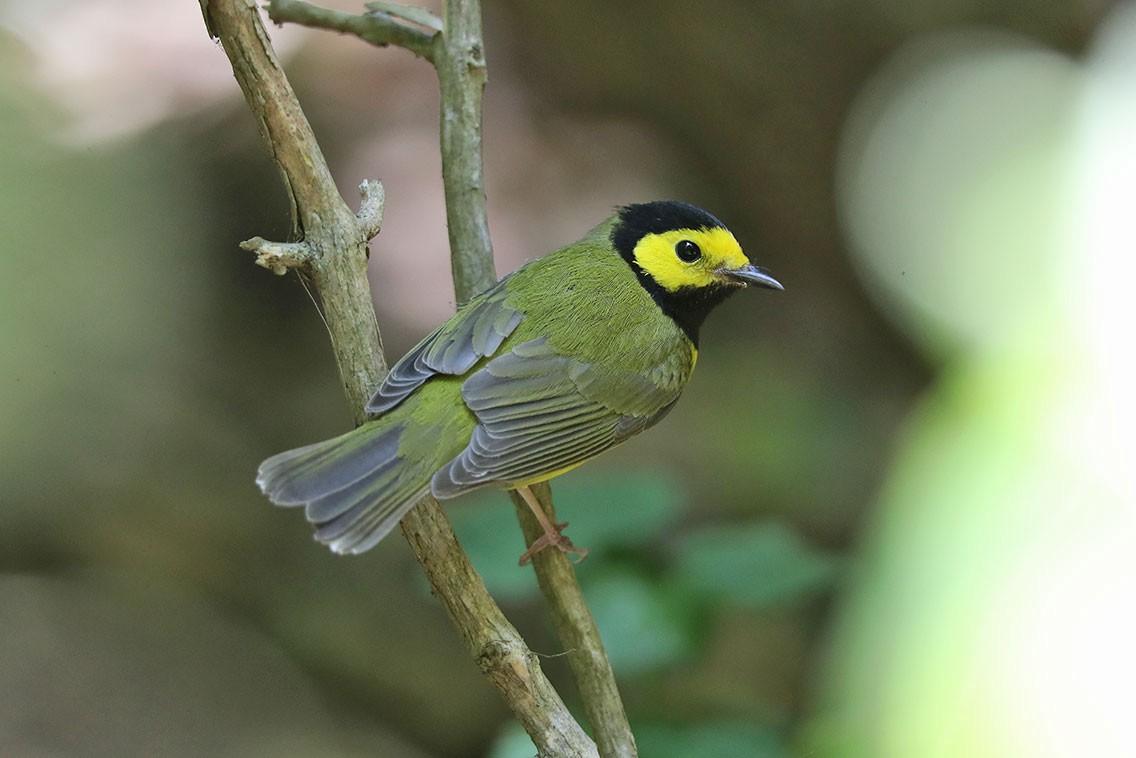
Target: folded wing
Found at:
540, 413
454, 348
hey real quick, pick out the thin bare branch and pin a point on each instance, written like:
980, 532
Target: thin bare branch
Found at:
411, 13
462, 75
577, 631
336, 255
379, 29
333, 253
495, 644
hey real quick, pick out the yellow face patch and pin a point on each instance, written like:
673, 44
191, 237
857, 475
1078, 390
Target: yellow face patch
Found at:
659, 256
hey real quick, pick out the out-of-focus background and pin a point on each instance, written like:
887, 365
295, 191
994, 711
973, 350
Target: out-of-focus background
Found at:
893, 515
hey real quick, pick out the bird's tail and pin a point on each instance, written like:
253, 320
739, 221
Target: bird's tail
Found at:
354, 488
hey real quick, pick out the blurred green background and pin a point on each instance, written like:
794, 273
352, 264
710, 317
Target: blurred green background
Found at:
893, 515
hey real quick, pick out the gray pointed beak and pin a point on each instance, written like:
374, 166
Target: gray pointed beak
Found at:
751, 274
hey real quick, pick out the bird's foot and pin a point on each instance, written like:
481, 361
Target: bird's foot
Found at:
554, 538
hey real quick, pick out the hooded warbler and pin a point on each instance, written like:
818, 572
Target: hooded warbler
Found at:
560, 360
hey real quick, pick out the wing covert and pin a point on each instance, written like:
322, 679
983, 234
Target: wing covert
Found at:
474, 332
540, 412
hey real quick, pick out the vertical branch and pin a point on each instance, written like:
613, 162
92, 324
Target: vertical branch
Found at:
577, 631
462, 74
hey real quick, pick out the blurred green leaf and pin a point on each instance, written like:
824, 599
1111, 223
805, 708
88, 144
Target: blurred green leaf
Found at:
644, 625
486, 524
758, 566
512, 742
614, 509
712, 739
719, 739
607, 510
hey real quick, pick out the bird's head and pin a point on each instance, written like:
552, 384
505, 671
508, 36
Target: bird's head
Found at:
685, 258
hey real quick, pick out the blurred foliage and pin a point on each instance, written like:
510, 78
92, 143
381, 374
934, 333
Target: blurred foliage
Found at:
995, 600
610, 514
652, 593
155, 603
759, 566
721, 739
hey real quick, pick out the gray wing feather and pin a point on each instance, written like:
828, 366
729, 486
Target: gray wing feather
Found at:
453, 348
538, 413
354, 488
297, 477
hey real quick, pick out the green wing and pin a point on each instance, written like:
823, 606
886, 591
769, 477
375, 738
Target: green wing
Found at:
540, 412
474, 332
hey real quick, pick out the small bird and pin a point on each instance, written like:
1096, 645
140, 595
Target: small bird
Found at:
564, 358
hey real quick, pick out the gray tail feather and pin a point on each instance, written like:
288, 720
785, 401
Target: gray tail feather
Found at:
355, 488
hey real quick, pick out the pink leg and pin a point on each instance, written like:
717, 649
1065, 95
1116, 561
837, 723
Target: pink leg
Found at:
552, 532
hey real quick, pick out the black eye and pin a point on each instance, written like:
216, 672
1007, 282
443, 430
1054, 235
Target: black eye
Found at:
688, 251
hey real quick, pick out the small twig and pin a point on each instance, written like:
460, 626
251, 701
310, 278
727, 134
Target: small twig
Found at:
411, 13
379, 29
279, 257
371, 206
282, 257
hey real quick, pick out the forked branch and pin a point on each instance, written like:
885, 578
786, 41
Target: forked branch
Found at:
333, 250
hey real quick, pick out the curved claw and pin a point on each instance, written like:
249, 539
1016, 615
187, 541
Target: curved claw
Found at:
556, 539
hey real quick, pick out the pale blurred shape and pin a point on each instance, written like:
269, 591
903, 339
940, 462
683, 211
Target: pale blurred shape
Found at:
548, 181
949, 182
1086, 594
1100, 262
118, 67
988, 196
1063, 650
